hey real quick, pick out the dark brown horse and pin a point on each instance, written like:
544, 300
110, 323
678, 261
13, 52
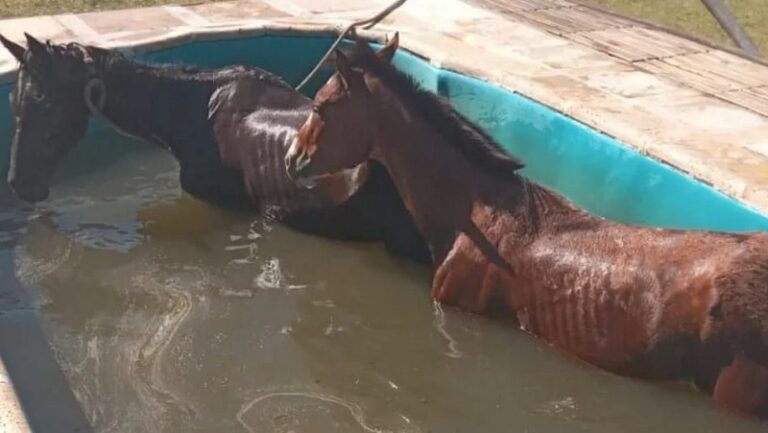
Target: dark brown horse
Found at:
228, 128
643, 302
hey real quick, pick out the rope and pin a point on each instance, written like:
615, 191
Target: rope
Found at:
97, 110
367, 23
95, 82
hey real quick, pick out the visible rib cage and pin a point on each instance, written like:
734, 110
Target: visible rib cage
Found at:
593, 321
265, 175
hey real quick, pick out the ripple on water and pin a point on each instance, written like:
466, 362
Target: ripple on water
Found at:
440, 326
310, 411
273, 277
134, 359
44, 251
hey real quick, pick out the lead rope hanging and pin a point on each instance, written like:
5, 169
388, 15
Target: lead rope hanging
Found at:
96, 83
367, 23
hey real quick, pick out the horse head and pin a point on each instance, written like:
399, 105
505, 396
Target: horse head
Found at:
335, 136
56, 90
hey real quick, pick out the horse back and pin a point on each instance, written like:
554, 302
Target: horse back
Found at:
630, 299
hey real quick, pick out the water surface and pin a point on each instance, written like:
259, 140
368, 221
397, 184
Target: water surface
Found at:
167, 315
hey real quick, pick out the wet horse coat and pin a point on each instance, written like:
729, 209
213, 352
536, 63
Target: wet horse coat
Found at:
229, 129
644, 302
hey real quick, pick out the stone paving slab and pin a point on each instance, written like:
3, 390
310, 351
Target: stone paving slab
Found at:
635, 42
131, 20
44, 27
235, 11
12, 418
315, 6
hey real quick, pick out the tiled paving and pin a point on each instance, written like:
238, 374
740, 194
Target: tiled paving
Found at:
45, 27
695, 107
235, 11
131, 20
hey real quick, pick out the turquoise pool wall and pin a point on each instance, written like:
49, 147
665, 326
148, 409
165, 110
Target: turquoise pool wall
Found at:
597, 172
290, 57
594, 170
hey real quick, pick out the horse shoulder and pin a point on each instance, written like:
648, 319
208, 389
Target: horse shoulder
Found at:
459, 277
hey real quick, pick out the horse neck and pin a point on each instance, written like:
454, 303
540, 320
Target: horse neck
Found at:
439, 186
447, 194
152, 104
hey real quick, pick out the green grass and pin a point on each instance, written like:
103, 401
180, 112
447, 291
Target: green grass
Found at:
690, 16
21, 8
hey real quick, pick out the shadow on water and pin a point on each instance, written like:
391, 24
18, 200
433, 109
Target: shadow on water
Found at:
44, 393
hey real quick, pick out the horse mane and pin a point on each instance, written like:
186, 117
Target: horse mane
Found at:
458, 131
108, 58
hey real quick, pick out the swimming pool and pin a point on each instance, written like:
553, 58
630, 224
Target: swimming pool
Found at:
168, 315
597, 172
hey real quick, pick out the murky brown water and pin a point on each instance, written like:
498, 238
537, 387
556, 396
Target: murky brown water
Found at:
167, 315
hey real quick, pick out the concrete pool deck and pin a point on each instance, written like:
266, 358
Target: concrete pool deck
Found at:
688, 104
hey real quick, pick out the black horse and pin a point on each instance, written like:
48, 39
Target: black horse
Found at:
229, 129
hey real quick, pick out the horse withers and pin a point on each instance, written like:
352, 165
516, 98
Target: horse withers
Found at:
642, 302
228, 128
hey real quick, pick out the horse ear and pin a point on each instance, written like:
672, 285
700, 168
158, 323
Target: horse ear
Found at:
350, 78
34, 45
387, 52
15, 49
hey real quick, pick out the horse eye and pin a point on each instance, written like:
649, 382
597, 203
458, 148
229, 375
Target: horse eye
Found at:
316, 109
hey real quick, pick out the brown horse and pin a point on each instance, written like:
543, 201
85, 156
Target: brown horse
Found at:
643, 302
229, 129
